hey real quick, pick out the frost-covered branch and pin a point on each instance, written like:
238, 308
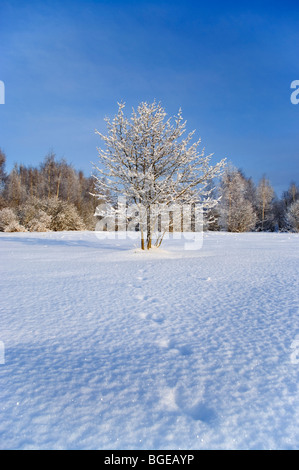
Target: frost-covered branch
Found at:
148, 160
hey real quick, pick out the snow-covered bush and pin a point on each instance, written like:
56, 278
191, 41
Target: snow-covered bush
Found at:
9, 221
6, 217
33, 216
15, 226
40, 223
64, 216
53, 214
293, 216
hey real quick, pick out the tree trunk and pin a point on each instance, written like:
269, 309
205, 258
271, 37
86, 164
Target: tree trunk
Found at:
148, 229
142, 241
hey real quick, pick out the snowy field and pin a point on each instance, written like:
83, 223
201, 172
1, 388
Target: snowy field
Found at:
106, 347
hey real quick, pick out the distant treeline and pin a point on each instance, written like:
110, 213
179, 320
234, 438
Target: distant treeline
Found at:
245, 206
55, 197
51, 197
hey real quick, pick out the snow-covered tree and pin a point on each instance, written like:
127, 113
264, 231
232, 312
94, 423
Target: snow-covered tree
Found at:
236, 210
2, 169
2, 178
264, 202
15, 191
148, 161
293, 215
283, 205
291, 195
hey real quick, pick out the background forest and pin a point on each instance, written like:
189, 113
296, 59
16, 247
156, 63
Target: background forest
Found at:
56, 197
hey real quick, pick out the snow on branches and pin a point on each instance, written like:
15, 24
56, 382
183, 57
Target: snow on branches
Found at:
148, 161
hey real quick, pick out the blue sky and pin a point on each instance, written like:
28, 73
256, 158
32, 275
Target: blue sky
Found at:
228, 65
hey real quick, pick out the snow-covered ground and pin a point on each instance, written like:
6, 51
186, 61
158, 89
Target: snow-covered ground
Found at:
106, 347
